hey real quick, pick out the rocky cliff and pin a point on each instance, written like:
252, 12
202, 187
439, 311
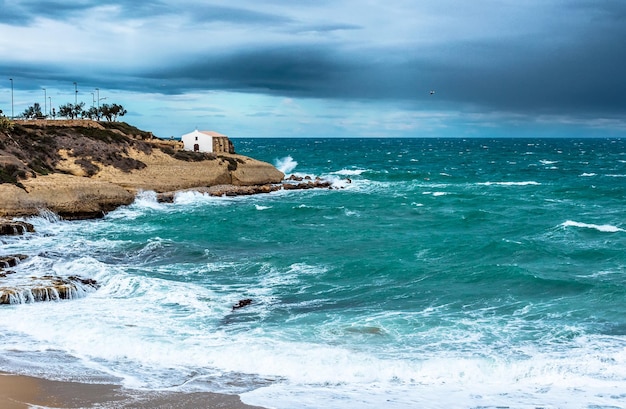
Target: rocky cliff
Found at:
81, 169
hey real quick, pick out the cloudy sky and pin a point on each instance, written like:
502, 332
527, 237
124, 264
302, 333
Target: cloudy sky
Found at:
326, 67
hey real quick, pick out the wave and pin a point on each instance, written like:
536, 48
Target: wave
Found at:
527, 183
349, 172
286, 164
605, 228
588, 175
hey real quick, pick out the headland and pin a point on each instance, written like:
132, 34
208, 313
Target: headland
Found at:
83, 168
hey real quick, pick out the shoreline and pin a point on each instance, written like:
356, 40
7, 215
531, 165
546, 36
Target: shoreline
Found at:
22, 392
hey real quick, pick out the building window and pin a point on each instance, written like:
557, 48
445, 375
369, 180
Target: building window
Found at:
196, 138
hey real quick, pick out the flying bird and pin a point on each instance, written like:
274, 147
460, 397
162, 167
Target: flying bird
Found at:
432, 92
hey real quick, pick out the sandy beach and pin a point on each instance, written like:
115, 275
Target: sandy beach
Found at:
22, 392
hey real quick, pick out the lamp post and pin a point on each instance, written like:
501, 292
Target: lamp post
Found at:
98, 92
44, 101
75, 93
93, 100
50, 106
12, 114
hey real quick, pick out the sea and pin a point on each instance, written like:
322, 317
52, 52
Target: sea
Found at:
435, 273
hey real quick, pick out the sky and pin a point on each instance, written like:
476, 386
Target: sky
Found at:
325, 68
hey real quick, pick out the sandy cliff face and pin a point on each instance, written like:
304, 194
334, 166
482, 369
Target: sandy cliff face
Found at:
80, 172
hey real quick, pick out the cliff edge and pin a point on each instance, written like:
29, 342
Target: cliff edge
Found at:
83, 169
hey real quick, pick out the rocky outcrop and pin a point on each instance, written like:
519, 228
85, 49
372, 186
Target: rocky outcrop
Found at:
233, 190
14, 228
47, 288
83, 169
71, 197
16, 289
10, 261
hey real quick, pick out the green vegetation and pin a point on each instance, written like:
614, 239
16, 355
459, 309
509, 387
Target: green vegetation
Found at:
128, 129
33, 112
6, 124
74, 111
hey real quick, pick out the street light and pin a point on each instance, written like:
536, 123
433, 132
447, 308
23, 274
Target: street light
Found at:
50, 106
12, 115
44, 101
93, 100
98, 92
75, 93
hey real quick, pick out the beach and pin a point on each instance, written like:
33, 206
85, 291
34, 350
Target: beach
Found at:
22, 392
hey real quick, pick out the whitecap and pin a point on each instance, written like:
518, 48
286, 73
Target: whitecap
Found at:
259, 207
286, 164
605, 228
586, 175
349, 172
527, 183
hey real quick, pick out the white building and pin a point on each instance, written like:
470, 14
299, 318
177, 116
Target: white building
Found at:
207, 141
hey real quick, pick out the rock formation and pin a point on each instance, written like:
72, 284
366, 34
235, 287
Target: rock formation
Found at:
83, 169
47, 288
14, 228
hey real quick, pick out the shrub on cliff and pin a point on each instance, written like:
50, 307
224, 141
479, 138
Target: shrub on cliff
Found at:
6, 124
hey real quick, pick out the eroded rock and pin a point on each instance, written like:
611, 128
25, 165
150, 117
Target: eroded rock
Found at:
15, 228
47, 288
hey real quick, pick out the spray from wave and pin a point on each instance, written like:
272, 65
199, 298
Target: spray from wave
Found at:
286, 164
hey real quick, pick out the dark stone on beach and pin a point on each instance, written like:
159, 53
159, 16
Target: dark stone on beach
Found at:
15, 228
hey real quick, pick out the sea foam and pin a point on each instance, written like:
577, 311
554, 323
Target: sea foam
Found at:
286, 164
606, 228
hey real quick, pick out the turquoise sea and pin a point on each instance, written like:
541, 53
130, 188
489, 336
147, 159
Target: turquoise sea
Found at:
437, 273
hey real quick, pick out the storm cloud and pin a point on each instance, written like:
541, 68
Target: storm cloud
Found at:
561, 58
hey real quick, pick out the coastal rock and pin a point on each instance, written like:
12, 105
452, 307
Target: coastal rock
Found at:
69, 196
15, 228
84, 169
11, 261
251, 172
47, 288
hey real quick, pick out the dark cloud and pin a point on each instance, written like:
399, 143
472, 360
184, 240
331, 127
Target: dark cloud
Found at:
13, 14
572, 65
58, 10
209, 13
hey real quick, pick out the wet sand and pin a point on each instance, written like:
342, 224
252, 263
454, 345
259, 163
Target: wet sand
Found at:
23, 392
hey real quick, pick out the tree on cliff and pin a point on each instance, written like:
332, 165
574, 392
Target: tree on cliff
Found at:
33, 111
71, 111
111, 112
92, 113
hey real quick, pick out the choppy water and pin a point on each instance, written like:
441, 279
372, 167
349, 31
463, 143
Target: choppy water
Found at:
443, 274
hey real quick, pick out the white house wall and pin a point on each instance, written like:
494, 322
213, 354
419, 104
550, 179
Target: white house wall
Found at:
204, 141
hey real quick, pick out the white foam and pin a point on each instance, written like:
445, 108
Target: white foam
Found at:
259, 207
587, 175
349, 172
606, 228
286, 164
527, 183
